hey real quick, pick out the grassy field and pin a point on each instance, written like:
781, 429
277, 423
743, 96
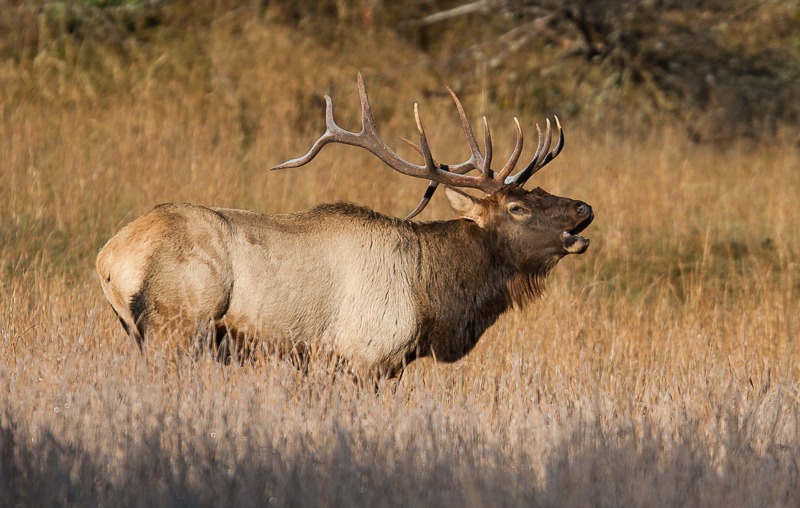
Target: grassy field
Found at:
660, 368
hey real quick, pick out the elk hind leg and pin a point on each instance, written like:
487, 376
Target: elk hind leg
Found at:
224, 343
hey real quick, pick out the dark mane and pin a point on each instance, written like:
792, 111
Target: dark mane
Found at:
354, 211
344, 208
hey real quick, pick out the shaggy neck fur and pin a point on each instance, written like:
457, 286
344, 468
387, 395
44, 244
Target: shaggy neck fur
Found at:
469, 282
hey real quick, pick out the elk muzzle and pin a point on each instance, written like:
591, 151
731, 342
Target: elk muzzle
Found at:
573, 242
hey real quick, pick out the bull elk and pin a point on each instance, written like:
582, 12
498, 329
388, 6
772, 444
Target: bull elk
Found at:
377, 290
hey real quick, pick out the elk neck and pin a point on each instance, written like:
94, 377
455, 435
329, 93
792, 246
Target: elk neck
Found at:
466, 282
462, 260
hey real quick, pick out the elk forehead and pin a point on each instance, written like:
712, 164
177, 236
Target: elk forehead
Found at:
537, 199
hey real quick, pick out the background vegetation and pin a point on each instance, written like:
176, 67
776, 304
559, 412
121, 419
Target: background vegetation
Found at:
660, 368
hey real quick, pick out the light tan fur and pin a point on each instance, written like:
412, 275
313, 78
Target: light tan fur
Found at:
282, 278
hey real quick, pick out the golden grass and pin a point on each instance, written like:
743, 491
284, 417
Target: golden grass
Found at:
659, 369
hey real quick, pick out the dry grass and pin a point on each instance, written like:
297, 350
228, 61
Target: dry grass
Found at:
660, 368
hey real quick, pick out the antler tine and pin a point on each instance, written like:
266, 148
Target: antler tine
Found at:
426, 198
527, 172
411, 144
423, 141
367, 120
327, 137
548, 139
430, 190
541, 158
544, 146
473, 143
559, 145
514, 158
486, 170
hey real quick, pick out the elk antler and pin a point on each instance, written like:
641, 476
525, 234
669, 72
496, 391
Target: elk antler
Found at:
487, 180
540, 159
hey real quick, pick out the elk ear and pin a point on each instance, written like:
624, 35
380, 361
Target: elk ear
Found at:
465, 205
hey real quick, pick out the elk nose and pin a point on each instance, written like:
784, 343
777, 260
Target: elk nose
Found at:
583, 209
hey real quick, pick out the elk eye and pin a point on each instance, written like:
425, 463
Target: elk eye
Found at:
516, 209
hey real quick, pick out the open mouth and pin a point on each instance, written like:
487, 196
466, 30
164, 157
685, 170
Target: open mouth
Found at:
575, 243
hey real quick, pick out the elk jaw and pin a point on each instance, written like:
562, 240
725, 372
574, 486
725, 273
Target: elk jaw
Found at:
575, 243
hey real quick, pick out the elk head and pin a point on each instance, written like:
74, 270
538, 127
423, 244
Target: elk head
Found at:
532, 224
536, 227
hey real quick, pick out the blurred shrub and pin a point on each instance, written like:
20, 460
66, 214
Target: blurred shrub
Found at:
725, 68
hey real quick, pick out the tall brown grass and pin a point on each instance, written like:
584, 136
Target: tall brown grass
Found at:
659, 369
